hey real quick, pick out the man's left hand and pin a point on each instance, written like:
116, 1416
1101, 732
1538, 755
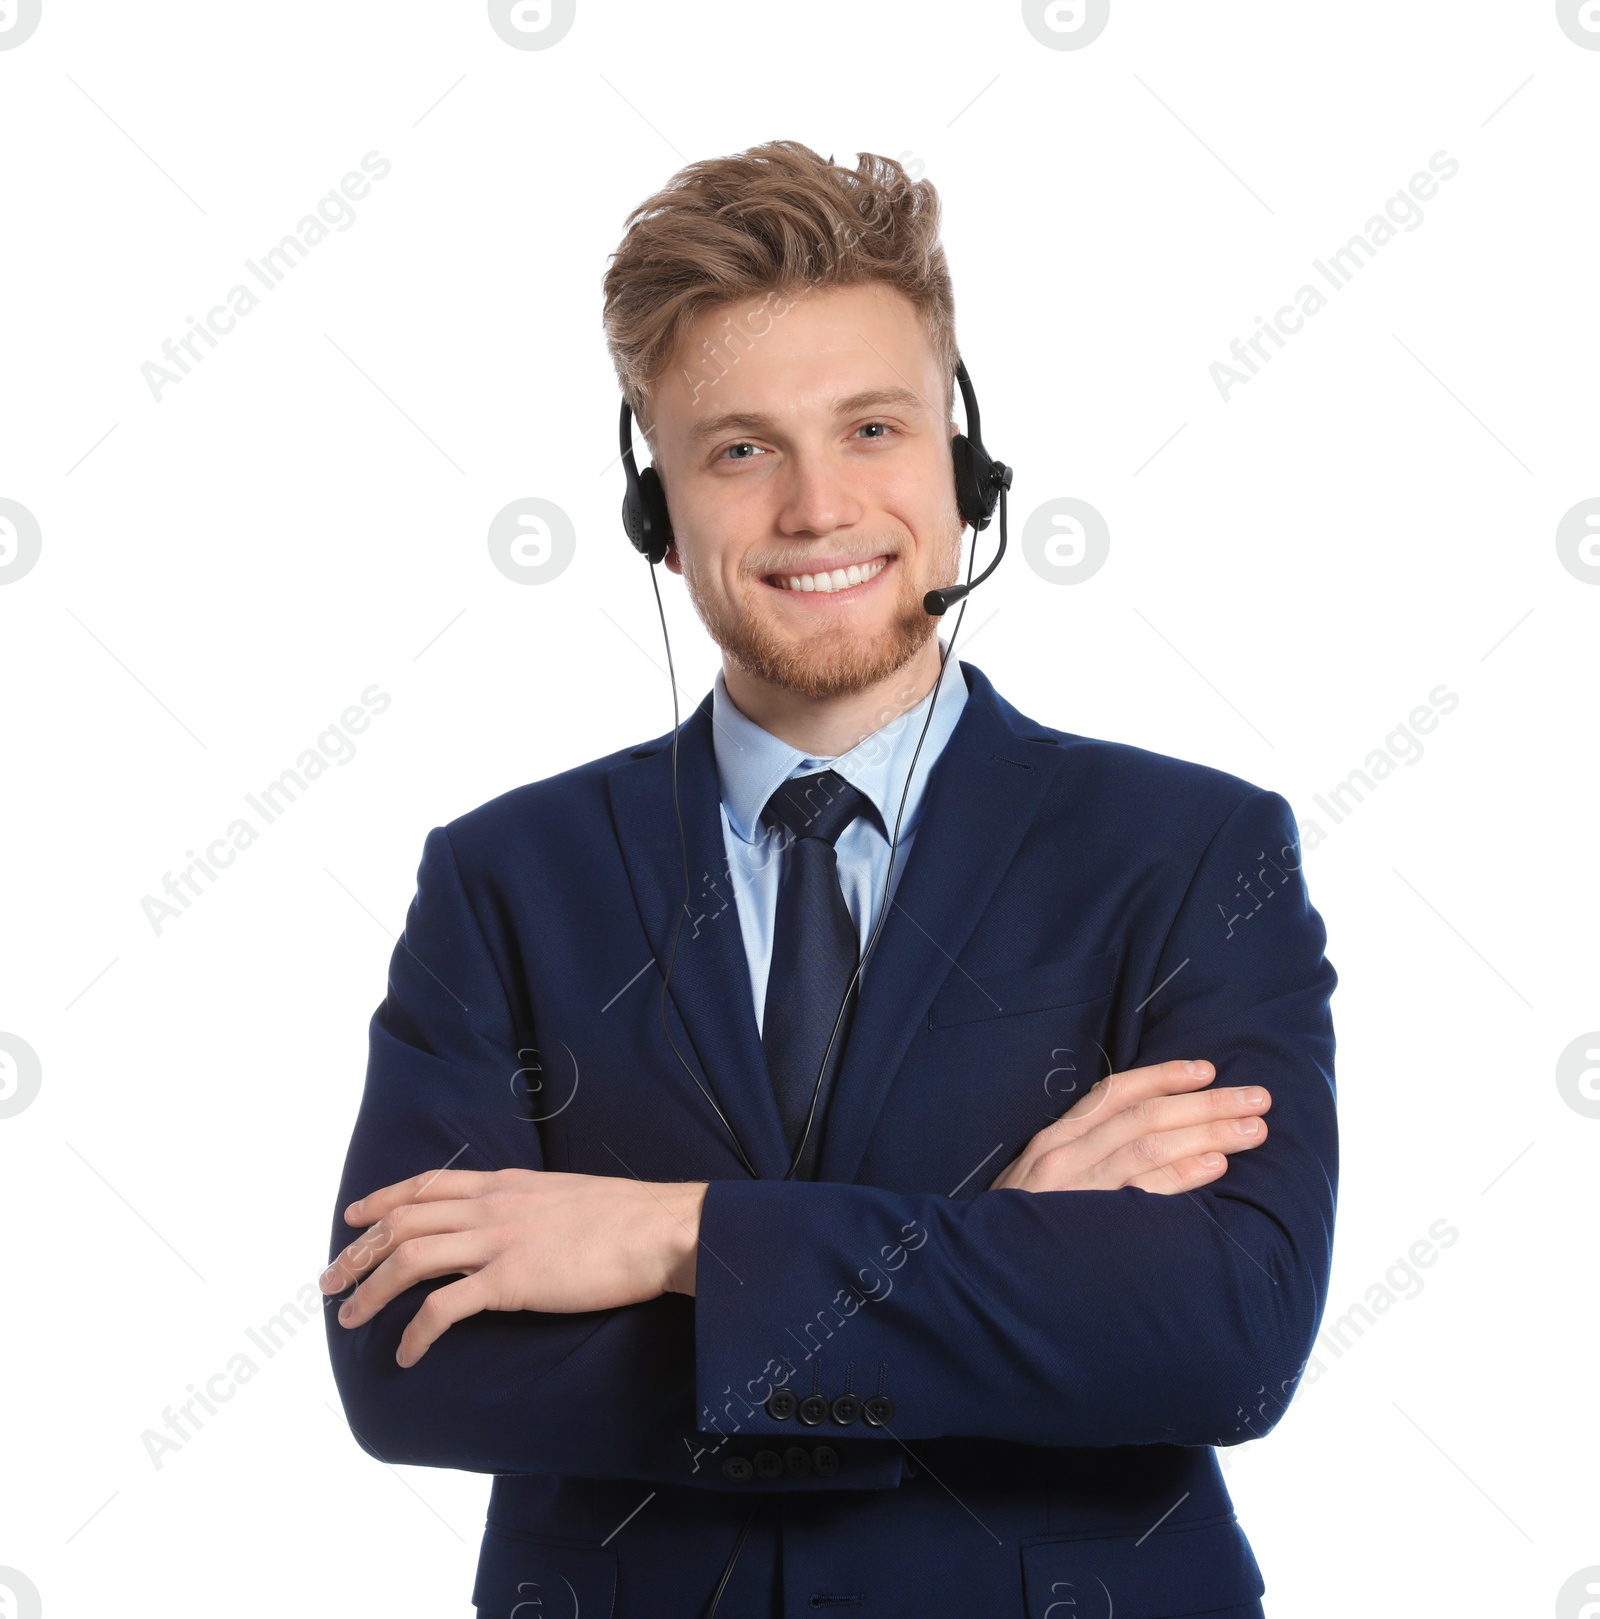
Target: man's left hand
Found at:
519, 1239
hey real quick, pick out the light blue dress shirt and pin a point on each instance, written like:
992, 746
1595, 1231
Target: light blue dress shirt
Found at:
752, 763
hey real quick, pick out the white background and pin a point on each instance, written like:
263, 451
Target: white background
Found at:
225, 570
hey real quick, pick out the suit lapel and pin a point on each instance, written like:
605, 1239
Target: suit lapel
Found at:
982, 795
984, 791
710, 983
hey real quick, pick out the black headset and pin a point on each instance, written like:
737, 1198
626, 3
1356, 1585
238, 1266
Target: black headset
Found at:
981, 484
980, 481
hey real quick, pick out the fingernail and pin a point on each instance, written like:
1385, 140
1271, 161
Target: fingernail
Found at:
1252, 1098
1201, 1070
1210, 1160
346, 1310
1247, 1127
352, 1215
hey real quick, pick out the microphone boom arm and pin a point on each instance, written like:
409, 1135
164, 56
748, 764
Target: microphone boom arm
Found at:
939, 602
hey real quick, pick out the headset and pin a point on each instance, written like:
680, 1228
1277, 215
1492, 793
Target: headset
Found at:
981, 484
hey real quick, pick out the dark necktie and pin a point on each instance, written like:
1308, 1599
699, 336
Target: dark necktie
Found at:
815, 948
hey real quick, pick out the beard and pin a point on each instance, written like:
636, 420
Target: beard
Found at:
838, 661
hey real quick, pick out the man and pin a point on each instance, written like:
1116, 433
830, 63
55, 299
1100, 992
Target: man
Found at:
760, 1280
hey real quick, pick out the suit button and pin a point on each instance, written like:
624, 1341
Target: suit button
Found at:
813, 1409
781, 1404
846, 1409
738, 1468
797, 1462
825, 1461
879, 1411
769, 1464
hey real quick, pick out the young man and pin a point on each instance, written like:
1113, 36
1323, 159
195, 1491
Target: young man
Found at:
921, 1289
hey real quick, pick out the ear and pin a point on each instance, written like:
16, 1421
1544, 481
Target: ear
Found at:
672, 561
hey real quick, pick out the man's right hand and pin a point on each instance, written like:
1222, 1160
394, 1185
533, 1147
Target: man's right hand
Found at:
1156, 1128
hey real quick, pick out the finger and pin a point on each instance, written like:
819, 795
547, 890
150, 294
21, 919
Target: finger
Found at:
409, 1220
1162, 1147
442, 1308
429, 1186
417, 1259
1082, 1148
1007, 1175
1199, 1107
1118, 1091
1184, 1175
1157, 1113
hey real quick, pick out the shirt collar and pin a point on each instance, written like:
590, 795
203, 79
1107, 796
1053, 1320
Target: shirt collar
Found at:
752, 763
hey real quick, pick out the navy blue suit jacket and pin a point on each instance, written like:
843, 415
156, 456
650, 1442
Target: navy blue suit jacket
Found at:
1059, 1364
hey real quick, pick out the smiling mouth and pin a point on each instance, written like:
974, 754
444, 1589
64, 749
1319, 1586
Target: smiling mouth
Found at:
831, 582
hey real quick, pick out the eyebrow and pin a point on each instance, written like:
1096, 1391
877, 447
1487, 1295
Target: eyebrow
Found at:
850, 405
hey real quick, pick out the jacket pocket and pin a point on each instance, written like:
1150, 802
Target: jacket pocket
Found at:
1175, 1573
964, 999
523, 1576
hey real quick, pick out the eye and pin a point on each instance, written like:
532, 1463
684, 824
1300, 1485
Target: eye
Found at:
732, 450
884, 429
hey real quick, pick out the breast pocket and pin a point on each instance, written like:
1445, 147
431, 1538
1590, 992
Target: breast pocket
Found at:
965, 999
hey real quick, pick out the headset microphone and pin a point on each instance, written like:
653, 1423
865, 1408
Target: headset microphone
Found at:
980, 482
939, 602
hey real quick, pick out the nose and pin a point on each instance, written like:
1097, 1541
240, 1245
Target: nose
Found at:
818, 499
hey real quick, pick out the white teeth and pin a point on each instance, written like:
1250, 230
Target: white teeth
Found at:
839, 579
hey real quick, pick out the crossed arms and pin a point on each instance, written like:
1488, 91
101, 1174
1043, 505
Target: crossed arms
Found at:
1112, 1316
523, 1239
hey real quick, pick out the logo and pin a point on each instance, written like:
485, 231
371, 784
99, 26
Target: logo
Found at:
1580, 22
1066, 541
1580, 1596
20, 1073
18, 19
19, 1596
19, 530
1066, 25
530, 25
1578, 1080
531, 541
1578, 537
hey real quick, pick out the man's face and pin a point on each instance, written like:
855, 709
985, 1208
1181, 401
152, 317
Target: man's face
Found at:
823, 446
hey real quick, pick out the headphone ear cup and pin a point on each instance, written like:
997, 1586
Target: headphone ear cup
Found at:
632, 518
653, 501
976, 492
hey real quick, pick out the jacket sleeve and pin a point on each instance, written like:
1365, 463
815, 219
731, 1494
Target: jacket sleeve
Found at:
1079, 1318
606, 1393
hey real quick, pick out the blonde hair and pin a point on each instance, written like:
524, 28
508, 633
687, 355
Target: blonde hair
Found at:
776, 220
